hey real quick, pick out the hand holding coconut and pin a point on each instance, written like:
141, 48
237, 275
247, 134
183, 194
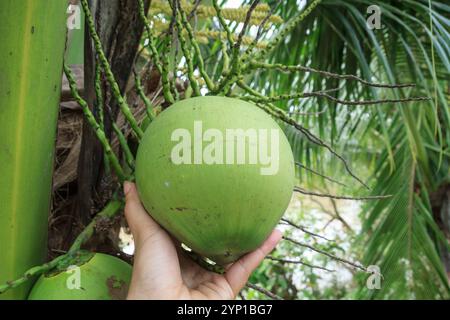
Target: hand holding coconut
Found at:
162, 271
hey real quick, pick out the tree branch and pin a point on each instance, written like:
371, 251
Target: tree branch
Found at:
263, 291
303, 229
305, 245
299, 262
302, 191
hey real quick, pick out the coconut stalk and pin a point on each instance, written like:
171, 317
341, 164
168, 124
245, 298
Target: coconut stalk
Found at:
31, 57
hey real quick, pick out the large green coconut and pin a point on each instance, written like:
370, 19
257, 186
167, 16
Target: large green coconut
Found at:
219, 201
93, 276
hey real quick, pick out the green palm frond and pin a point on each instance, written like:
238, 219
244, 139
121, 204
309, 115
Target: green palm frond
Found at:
401, 231
403, 149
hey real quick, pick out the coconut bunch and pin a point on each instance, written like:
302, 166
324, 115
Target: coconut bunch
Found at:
178, 57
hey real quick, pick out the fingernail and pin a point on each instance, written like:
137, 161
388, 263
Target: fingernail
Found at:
278, 235
126, 187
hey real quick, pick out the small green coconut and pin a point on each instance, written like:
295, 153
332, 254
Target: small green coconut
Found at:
217, 173
93, 276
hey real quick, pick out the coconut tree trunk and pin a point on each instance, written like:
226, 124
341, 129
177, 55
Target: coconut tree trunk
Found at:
120, 31
31, 56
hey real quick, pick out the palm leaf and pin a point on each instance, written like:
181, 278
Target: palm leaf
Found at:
402, 148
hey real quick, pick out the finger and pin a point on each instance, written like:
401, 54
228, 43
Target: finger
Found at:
238, 274
140, 222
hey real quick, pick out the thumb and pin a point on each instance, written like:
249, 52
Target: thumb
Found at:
140, 222
239, 272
